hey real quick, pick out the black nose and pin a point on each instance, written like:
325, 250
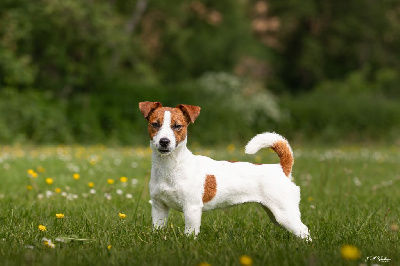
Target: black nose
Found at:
164, 142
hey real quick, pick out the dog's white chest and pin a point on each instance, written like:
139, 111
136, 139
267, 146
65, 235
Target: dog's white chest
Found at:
170, 194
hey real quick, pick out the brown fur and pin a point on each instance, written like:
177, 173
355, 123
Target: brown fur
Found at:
177, 118
210, 188
286, 158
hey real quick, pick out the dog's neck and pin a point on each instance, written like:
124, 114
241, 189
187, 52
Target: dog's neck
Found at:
168, 164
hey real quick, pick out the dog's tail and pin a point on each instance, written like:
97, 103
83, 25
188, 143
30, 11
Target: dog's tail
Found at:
276, 142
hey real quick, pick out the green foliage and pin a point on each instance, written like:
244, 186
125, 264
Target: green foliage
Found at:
323, 40
326, 116
32, 116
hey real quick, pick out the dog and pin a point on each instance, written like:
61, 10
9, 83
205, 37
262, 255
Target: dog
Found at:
193, 183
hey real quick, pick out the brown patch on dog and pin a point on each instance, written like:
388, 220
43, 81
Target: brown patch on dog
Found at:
286, 157
210, 188
179, 124
148, 107
233, 161
190, 111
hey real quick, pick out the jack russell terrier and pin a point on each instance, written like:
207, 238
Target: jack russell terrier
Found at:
193, 183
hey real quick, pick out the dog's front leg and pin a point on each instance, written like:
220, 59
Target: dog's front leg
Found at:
159, 214
192, 219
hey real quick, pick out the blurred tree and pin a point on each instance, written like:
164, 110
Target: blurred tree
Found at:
321, 40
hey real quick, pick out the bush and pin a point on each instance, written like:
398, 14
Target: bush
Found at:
336, 117
32, 116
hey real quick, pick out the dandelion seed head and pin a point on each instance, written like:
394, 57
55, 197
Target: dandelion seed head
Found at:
119, 192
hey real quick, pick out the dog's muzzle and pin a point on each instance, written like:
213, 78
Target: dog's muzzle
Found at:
164, 145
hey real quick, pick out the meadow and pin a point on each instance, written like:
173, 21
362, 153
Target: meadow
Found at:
89, 205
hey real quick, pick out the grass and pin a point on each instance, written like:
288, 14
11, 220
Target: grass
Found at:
350, 196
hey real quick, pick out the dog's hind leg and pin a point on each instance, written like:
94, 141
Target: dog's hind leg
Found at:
290, 220
270, 214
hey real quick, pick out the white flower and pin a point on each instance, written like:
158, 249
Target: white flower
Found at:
108, 196
64, 194
48, 243
134, 182
357, 181
120, 192
49, 193
40, 196
129, 196
92, 191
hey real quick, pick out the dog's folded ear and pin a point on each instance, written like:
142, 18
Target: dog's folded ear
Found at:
148, 107
191, 112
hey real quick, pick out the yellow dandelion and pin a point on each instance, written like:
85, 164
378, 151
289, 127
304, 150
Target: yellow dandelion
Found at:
42, 228
350, 252
123, 179
91, 184
76, 176
109, 247
48, 243
49, 181
41, 169
231, 148
59, 215
57, 190
394, 227
122, 215
245, 260
110, 181
29, 187
32, 173
310, 198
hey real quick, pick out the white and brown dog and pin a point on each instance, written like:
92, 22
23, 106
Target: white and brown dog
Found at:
194, 183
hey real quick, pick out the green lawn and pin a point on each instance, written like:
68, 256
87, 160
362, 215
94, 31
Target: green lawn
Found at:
350, 196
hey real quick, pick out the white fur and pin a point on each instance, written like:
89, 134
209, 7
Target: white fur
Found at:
177, 182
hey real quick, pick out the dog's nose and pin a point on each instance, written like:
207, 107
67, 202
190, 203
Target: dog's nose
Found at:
164, 142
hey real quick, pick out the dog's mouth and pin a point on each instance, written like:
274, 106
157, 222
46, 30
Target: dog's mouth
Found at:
164, 150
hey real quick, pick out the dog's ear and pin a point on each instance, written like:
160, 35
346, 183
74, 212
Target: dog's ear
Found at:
191, 112
148, 107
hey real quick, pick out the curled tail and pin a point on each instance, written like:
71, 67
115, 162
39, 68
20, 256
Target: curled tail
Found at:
276, 142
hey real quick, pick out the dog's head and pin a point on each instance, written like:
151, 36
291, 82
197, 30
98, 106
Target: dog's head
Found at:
168, 126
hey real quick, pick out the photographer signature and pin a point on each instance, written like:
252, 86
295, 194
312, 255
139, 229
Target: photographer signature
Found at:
377, 258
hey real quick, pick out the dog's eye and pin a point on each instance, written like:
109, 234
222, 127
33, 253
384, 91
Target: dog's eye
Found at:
156, 125
177, 127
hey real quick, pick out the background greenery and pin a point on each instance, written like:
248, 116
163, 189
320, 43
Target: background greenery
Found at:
73, 71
